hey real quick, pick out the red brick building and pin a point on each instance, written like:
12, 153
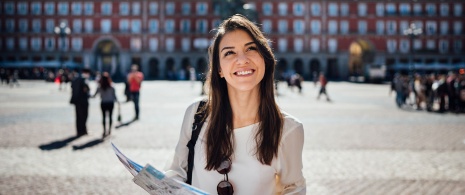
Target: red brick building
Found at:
166, 36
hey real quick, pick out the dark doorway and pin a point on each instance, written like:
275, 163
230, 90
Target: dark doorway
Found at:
315, 68
299, 67
154, 72
333, 69
170, 72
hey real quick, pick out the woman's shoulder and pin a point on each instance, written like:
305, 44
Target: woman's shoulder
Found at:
291, 123
194, 105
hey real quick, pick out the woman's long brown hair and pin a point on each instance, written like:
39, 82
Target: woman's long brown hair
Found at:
220, 136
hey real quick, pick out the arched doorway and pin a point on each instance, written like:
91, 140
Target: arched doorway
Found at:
170, 71
315, 68
281, 70
185, 65
154, 71
299, 67
361, 54
202, 68
106, 57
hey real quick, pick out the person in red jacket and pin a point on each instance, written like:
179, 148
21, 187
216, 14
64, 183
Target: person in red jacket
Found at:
135, 78
323, 81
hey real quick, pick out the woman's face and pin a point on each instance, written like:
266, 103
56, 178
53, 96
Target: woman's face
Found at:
240, 61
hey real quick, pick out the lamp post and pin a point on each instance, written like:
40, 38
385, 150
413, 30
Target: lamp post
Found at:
412, 32
62, 30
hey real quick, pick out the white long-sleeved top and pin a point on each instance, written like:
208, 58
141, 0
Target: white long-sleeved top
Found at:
248, 176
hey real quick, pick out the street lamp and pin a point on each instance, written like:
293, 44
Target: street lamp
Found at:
412, 32
62, 30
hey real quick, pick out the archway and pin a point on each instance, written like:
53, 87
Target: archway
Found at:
299, 67
281, 70
202, 68
106, 57
170, 72
361, 54
315, 68
153, 68
185, 65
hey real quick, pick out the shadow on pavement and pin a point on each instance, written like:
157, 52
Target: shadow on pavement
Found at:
58, 144
88, 144
124, 124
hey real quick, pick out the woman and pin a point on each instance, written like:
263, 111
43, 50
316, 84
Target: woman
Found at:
244, 129
107, 94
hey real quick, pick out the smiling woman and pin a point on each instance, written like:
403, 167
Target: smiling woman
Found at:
245, 129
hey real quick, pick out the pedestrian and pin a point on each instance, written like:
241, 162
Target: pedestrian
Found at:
80, 98
244, 127
192, 75
135, 79
14, 78
323, 82
3, 75
108, 99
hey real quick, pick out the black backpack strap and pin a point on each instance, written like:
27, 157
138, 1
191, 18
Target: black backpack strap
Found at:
199, 118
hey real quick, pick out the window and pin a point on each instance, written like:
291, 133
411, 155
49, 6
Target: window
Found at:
316, 9
136, 44
299, 27
50, 8
124, 8
430, 44
267, 9
23, 43
417, 44
390, 9
106, 8
345, 9
380, 9
431, 27
362, 27
153, 8
153, 44
444, 28
332, 9
105, 25
404, 46
391, 45
391, 27
36, 44
298, 45
185, 26
23, 25
50, 25
417, 9
202, 26
332, 45
186, 44
36, 25
135, 26
202, 8
169, 42
344, 27
77, 25
298, 9
332, 27
10, 25
443, 46
76, 8
380, 27
282, 9
77, 43
36, 8
404, 9
444, 9
458, 10
282, 44
88, 8
431, 9
63, 8
9, 8
458, 46
186, 8
216, 23
49, 44
169, 8
89, 25
135, 8
153, 26
316, 26
315, 45
169, 26
403, 25
267, 26
124, 25
282, 26
10, 43
362, 9
22, 8
457, 28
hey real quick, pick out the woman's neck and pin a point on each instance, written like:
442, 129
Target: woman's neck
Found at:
244, 107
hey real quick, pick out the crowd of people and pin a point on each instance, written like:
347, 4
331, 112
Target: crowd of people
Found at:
433, 92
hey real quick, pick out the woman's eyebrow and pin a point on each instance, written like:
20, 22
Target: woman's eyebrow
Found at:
231, 47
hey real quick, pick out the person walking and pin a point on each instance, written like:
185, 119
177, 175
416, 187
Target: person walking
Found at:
80, 98
323, 82
108, 99
135, 79
244, 128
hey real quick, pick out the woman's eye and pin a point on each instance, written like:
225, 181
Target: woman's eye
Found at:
228, 53
252, 48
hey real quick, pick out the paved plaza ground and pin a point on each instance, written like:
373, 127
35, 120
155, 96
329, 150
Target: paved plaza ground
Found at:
360, 143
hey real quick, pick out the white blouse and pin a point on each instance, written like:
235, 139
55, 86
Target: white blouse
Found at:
248, 176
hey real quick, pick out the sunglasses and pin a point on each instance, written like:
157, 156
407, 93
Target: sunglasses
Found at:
224, 187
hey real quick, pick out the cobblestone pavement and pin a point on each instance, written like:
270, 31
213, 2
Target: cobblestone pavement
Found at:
360, 143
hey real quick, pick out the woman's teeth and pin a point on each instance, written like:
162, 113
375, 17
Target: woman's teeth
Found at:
244, 72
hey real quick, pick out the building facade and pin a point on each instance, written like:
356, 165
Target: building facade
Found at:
165, 37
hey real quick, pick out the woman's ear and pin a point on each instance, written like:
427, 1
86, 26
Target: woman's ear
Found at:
221, 74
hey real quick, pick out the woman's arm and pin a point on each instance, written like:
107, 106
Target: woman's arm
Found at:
291, 176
